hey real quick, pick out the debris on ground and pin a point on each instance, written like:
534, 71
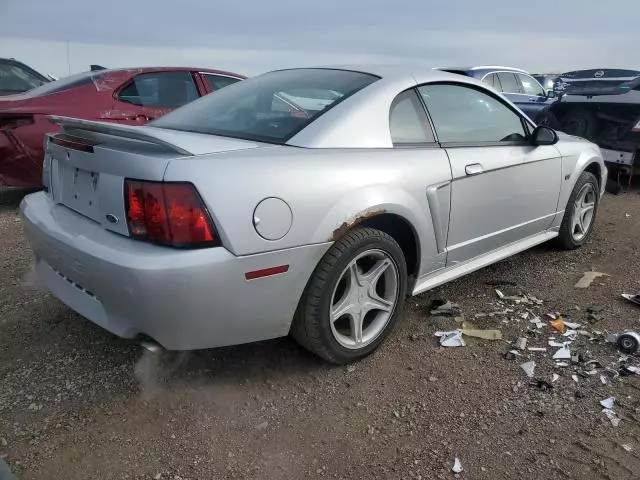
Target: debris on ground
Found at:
529, 368
628, 342
543, 385
562, 354
445, 308
457, 466
521, 344
472, 331
632, 298
588, 278
451, 339
627, 447
608, 402
559, 325
612, 416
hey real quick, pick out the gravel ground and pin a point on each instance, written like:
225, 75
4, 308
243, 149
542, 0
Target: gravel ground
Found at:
79, 403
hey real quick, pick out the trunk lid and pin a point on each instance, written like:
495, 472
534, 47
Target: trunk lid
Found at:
86, 164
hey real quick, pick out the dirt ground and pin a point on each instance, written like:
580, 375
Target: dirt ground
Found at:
79, 403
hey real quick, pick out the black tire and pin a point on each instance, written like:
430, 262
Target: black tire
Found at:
581, 123
566, 239
547, 118
311, 326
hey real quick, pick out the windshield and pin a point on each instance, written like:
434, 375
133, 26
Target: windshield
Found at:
271, 107
15, 79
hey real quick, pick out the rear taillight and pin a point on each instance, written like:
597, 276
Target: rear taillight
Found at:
168, 213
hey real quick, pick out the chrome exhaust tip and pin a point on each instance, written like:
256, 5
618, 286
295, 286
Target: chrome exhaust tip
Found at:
152, 346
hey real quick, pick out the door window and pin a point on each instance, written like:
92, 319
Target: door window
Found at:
407, 121
530, 85
216, 82
463, 114
509, 82
160, 90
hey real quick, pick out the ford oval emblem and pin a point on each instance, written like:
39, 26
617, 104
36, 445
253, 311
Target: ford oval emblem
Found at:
111, 218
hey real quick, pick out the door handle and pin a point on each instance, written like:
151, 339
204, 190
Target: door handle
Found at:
473, 169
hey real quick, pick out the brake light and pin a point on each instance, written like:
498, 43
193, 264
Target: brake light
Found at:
168, 213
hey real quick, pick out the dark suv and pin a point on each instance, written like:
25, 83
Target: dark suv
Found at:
515, 84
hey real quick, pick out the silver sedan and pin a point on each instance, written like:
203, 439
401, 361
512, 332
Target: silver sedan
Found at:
308, 202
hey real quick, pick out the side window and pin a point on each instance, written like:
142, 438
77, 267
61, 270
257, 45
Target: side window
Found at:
490, 80
408, 123
216, 82
462, 114
509, 82
160, 90
530, 85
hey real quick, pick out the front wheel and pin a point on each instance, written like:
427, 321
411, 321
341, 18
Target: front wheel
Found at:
354, 297
580, 212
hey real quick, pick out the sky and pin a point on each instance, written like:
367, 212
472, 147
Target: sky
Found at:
253, 36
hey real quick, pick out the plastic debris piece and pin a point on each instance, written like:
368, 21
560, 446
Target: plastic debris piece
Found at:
562, 354
445, 308
572, 325
612, 416
451, 339
611, 337
553, 343
603, 379
575, 378
457, 466
559, 325
521, 343
575, 358
633, 369
537, 349
593, 364
562, 364
608, 402
588, 278
555, 378
471, 331
570, 334
627, 447
529, 368
537, 321
632, 298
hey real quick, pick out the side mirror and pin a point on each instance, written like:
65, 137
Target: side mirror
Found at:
544, 136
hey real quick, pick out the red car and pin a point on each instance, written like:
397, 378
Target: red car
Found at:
130, 96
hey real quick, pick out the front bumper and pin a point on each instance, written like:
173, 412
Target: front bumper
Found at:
184, 299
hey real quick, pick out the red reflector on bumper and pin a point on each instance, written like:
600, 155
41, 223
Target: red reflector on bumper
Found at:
266, 272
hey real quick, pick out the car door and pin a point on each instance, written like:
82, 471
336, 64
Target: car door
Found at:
150, 95
534, 98
504, 189
413, 137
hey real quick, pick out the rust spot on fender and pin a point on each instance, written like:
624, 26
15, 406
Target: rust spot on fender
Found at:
339, 232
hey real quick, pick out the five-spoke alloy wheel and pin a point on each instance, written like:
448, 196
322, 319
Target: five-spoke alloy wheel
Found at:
354, 298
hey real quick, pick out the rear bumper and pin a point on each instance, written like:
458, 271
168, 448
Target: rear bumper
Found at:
184, 299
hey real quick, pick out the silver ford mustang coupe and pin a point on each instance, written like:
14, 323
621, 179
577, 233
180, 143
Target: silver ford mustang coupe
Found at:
307, 201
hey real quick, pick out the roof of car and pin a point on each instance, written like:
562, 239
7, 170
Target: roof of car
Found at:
137, 70
390, 71
485, 68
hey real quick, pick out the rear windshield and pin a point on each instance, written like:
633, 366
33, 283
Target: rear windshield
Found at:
66, 83
271, 107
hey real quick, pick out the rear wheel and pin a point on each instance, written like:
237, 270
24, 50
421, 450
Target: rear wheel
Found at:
581, 123
580, 212
354, 297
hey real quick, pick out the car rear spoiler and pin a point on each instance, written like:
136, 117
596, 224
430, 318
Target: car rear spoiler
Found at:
171, 140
